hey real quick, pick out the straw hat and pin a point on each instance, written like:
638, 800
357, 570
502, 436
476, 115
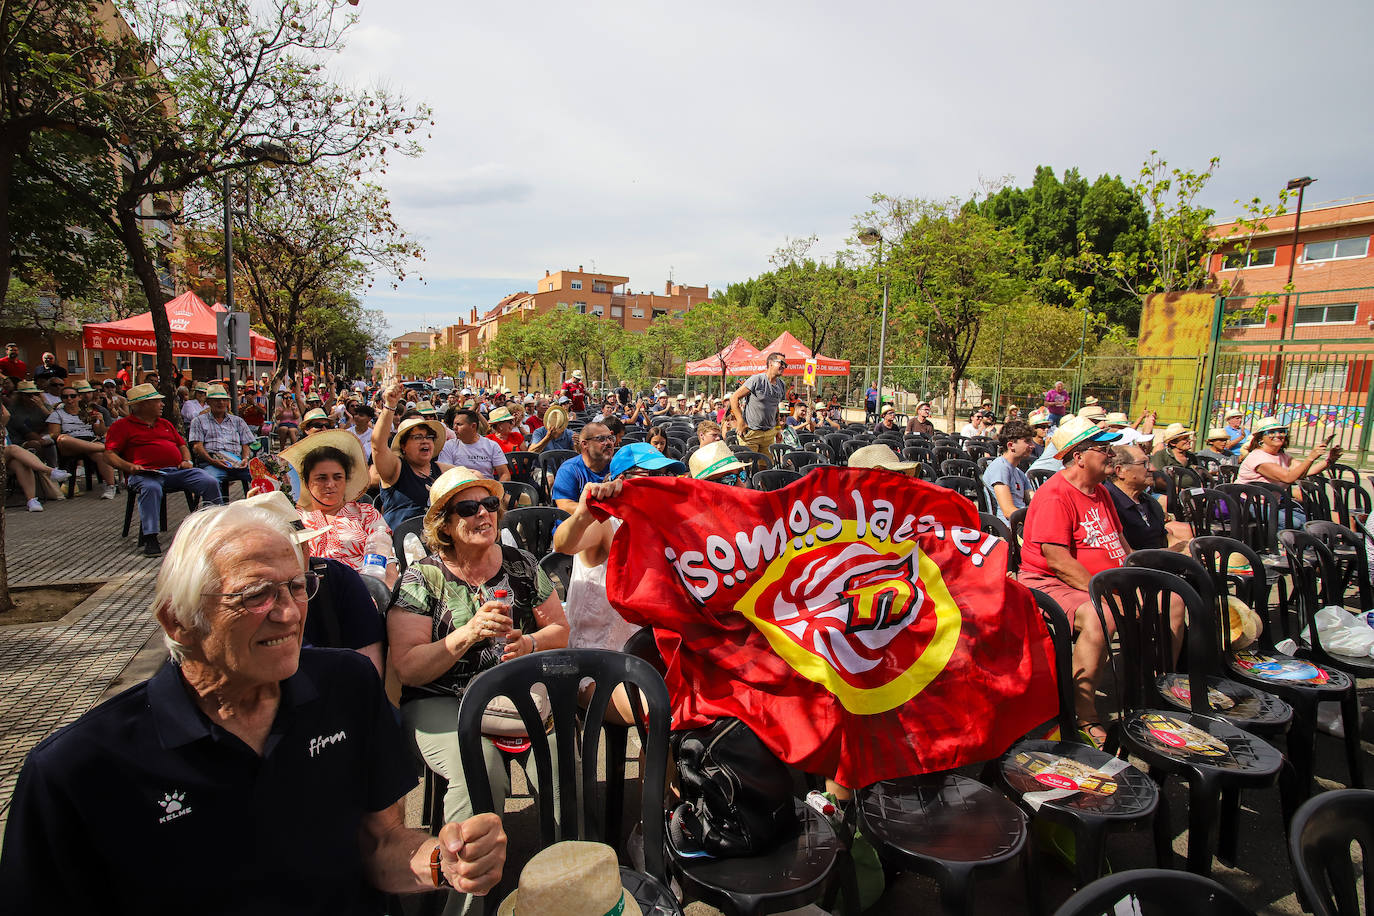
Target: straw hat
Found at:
440, 434
199, 387
1093, 412
1090, 401
277, 503
344, 441
26, 386
312, 416
577, 374
711, 459
1244, 624
881, 456
1175, 431
1218, 432
1233, 412
217, 391
455, 479
426, 409
1116, 418
1075, 431
1269, 425
1038, 417
556, 420
144, 392
572, 878
83, 387
500, 415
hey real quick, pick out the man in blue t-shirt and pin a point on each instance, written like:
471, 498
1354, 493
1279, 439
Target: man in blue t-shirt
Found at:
598, 445
1008, 487
1236, 433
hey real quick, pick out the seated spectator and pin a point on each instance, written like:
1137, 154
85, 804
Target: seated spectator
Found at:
1141, 515
593, 622
446, 625
1039, 421
1217, 440
52, 392
979, 424
28, 422
196, 405
1007, 486
244, 740
716, 463
1141, 433
503, 432
658, 439
315, 421
800, 421
554, 435
1236, 433
49, 370
287, 420
1268, 461
1176, 450
112, 400
25, 466
597, 445
149, 449
887, 420
883, 458
708, 431
1072, 532
87, 399
251, 409
221, 441
1091, 410
920, 421
333, 475
406, 465
76, 433
472, 448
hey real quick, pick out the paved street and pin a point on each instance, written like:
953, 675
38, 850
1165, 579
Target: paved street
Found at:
50, 674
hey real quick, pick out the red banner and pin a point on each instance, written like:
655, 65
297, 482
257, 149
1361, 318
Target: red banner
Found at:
857, 620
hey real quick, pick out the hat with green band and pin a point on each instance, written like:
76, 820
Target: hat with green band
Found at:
572, 878
144, 392
1270, 425
1075, 431
712, 459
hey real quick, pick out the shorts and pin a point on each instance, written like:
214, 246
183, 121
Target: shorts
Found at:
1068, 598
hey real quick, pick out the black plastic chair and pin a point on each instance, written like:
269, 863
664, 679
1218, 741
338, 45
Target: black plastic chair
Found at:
516, 490
966, 487
533, 527
776, 451
1213, 756
549, 462
1038, 476
1154, 892
1347, 549
1319, 846
1225, 473
522, 466
558, 567
561, 671
1299, 683
921, 453
1259, 514
959, 467
1214, 513
1350, 502
1073, 784
1315, 585
991, 524
1344, 472
753, 461
800, 459
1017, 523
773, 479
131, 501
1316, 498
415, 526
947, 452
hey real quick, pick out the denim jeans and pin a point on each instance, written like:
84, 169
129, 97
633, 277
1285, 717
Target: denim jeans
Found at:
149, 489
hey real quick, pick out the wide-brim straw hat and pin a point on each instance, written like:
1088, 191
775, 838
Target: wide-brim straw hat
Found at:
83, 387
881, 456
1093, 412
26, 386
1075, 431
144, 392
344, 441
1090, 401
277, 503
313, 414
1116, 418
1038, 417
500, 415
1218, 432
556, 420
1233, 412
1269, 425
440, 434
1243, 624
1175, 431
217, 391
454, 480
711, 459
572, 878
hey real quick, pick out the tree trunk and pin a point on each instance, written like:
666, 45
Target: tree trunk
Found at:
6, 602
7, 154
131, 234
949, 404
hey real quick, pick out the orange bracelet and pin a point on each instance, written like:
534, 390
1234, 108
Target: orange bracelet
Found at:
436, 874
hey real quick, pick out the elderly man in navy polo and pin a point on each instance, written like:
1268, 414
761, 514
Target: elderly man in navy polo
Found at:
248, 775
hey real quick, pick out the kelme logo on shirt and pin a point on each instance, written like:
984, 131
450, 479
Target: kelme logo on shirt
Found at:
174, 805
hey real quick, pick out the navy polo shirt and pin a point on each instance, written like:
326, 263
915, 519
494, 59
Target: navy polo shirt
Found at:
144, 806
342, 615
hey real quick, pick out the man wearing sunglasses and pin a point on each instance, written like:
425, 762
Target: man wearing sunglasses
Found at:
598, 445
282, 767
754, 406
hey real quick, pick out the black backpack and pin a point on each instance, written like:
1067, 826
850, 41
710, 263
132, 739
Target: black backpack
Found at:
736, 795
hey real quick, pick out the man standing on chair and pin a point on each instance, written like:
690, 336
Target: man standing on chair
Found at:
220, 441
756, 422
149, 449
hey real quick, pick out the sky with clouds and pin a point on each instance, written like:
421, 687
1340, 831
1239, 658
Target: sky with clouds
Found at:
694, 139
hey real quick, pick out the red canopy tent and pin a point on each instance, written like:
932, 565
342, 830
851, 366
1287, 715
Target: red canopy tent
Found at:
796, 356
739, 357
193, 332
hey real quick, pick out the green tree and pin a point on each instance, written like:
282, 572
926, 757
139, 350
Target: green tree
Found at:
811, 293
660, 348
606, 338
712, 326
522, 344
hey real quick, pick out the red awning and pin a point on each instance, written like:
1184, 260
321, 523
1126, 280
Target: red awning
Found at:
193, 332
739, 357
796, 356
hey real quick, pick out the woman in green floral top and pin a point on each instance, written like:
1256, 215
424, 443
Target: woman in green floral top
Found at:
444, 628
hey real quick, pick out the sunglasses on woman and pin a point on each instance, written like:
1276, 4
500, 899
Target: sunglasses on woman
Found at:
467, 508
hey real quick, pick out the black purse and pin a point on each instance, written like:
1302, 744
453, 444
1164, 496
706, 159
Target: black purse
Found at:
736, 795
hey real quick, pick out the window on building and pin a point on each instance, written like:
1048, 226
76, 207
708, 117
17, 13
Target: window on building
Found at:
1339, 313
1249, 318
636, 313
1259, 257
146, 361
1316, 376
562, 305
184, 362
659, 313
73, 360
580, 307
576, 284
617, 311
98, 361
599, 286
598, 311
1336, 249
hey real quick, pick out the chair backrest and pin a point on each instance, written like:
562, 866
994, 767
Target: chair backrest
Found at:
532, 527
1348, 499
558, 567
1154, 892
959, 467
1344, 472
1138, 599
1235, 578
1061, 636
773, 479
415, 526
1204, 644
991, 524
522, 465
1038, 476
642, 644
776, 451
1319, 845
1259, 513
1017, 523
971, 490
798, 460
751, 459
551, 460
1348, 550
1226, 473
1214, 512
1316, 498
945, 453
516, 491
561, 671
1313, 581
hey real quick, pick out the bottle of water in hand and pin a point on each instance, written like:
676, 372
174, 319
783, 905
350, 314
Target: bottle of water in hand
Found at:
375, 556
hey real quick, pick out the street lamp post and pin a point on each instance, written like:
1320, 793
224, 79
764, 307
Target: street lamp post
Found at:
871, 236
1300, 185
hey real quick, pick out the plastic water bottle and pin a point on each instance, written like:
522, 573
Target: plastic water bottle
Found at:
413, 547
375, 557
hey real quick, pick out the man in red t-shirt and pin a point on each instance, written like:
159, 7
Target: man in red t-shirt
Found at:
149, 449
1072, 532
11, 365
575, 391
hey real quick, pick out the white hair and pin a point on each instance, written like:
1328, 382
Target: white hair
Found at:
189, 570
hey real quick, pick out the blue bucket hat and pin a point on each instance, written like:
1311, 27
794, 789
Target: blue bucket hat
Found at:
645, 456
